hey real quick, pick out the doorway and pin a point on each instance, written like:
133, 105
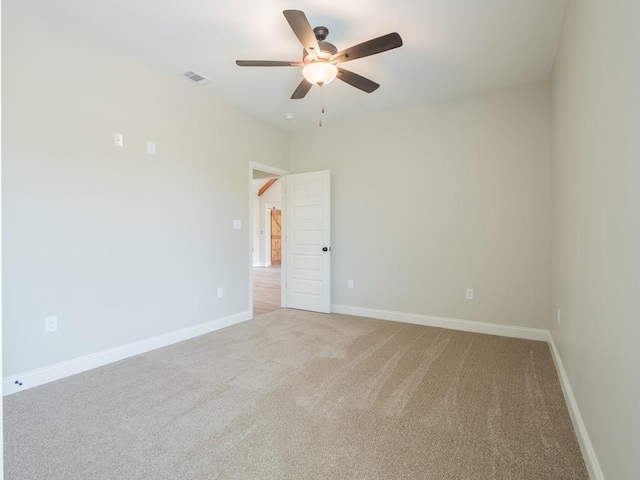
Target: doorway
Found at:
266, 233
305, 259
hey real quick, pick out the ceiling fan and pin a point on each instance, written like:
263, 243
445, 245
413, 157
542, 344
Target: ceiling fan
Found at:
320, 58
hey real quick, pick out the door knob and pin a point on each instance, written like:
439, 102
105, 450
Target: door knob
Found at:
325, 249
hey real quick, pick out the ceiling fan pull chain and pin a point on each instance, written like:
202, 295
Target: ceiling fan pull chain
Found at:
321, 105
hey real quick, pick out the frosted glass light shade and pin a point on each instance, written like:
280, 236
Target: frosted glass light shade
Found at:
320, 73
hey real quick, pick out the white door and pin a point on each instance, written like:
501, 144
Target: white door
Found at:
308, 241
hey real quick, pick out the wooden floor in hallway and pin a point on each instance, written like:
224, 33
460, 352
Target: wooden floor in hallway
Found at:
266, 289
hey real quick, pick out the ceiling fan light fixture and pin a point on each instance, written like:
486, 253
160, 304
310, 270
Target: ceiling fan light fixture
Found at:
320, 73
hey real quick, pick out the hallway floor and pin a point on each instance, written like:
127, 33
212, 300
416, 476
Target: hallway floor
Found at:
266, 289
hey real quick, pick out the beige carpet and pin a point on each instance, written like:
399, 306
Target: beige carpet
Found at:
298, 395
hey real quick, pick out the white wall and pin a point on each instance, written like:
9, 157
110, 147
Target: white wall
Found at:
596, 223
431, 200
120, 245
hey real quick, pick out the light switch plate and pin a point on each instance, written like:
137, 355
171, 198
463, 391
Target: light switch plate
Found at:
51, 324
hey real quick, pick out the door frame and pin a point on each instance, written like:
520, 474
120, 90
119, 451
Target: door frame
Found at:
276, 172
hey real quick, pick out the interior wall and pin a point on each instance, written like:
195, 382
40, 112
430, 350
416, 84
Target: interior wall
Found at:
432, 200
119, 244
596, 223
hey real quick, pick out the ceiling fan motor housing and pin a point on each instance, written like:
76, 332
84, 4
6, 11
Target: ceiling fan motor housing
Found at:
321, 33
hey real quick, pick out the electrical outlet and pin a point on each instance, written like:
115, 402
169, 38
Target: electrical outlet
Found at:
51, 324
558, 316
220, 292
350, 284
118, 140
469, 293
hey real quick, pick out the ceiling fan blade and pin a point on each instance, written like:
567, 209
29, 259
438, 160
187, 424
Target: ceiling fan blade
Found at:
301, 90
301, 27
371, 47
357, 81
267, 63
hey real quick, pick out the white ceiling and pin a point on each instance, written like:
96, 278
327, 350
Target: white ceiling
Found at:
451, 47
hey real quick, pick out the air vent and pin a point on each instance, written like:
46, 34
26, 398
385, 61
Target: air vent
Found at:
196, 78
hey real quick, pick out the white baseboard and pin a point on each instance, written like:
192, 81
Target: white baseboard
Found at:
60, 370
589, 454
443, 322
